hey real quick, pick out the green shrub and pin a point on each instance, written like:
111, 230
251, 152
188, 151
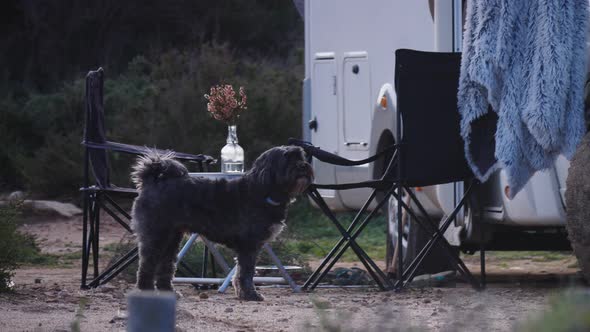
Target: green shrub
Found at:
569, 311
16, 248
9, 245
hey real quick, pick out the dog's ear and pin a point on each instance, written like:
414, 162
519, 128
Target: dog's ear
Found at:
264, 166
295, 151
265, 176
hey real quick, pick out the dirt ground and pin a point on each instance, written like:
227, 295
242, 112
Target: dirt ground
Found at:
50, 299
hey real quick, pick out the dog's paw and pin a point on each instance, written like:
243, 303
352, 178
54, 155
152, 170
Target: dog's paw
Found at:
178, 294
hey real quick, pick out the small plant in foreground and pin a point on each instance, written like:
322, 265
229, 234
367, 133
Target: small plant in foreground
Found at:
567, 312
75, 325
17, 248
9, 245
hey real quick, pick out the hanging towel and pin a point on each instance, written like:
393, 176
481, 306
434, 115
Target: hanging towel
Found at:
524, 62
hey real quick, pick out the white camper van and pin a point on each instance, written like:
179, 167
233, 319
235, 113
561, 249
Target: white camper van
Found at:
349, 109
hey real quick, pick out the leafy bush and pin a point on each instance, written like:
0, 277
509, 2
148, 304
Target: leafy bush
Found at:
158, 101
9, 245
17, 248
46, 41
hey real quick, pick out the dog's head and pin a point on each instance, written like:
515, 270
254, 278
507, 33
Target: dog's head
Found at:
283, 169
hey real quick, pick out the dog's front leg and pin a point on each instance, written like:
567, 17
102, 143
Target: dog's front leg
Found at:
244, 279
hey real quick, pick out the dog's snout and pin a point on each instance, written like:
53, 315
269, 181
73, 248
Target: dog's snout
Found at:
301, 165
305, 169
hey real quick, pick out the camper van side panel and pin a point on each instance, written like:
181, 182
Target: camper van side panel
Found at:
362, 36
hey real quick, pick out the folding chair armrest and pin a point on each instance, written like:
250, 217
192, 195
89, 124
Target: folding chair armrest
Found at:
196, 158
139, 150
301, 143
322, 155
331, 158
117, 147
375, 184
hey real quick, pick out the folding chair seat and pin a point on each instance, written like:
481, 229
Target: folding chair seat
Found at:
101, 195
428, 151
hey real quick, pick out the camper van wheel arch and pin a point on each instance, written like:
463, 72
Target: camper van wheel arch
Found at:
578, 205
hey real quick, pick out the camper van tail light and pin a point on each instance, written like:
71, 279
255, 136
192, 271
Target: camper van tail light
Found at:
418, 189
383, 102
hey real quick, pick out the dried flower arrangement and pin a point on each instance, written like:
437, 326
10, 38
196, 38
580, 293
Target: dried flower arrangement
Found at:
223, 104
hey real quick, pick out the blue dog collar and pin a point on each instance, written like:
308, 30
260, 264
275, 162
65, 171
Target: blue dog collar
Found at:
271, 201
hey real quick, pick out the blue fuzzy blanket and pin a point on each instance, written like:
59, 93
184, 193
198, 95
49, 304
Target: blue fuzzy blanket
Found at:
524, 62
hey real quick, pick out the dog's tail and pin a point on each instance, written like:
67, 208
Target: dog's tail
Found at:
155, 166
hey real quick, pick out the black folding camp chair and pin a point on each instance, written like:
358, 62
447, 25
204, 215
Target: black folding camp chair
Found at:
428, 151
349, 234
101, 195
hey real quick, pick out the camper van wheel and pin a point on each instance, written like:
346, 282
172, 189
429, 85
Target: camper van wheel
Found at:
392, 235
577, 199
413, 240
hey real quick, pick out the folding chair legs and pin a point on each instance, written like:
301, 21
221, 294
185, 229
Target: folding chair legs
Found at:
482, 261
114, 215
400, 231
90, 239
227, 281
345, 242
296, 289
437, 235
225, 267
209, 250
84, 240
93, 204
453, 256
281, 268
117, 267
408, 274
94, 236
328, 262
216, 255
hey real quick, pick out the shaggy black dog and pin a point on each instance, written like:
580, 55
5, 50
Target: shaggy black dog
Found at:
242, 214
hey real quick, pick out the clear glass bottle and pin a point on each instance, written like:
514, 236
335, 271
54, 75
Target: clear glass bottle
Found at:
232, 154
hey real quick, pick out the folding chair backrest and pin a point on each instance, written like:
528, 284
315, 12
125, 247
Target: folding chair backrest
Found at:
432, 150
94, 130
